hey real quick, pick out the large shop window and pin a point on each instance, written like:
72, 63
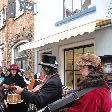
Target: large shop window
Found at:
71, 71
72, 7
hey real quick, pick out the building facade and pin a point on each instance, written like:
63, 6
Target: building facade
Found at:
14, 33
69, 28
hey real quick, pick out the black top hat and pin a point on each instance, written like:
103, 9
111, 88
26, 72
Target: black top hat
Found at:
49, 61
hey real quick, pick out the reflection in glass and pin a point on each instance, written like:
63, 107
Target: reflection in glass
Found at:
69, 79
20, 57
72, 7
72, 73
78, 78
77, 53
69, 60
89, 49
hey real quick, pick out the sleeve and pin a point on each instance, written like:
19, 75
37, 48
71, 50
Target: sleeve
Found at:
48, 92
87, 103
23, 83
7, 81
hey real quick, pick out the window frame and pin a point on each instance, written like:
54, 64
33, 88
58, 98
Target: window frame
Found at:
74, 70
72, 10
18, 12
2, 18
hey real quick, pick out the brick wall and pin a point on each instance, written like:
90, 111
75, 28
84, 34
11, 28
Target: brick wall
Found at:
15, 31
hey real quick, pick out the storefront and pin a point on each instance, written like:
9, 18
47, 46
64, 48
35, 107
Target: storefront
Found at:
67, 51
69, 44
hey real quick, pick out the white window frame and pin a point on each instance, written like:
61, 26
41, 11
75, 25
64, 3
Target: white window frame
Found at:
73, 6
2, 18
18, 11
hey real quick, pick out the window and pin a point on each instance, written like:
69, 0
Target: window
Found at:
71, 71
20, 57
19, 11
2, 18
72, 7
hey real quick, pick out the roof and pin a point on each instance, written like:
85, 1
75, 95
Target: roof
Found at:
66, 34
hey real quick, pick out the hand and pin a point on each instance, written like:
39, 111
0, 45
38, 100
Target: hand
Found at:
37, 88
5, 86
18, 90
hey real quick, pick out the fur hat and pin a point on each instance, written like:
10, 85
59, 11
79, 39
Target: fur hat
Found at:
88, 59
49, 61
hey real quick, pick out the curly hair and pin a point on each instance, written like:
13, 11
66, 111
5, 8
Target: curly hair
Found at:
49, 70
92, 80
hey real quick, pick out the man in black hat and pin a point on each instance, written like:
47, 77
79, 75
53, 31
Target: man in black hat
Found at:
51, 89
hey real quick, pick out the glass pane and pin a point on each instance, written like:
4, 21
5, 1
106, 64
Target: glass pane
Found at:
69, 60
77, 53
85, 4
89, 49
78, 78
68, 8
69, 79
24, 64
76, 5
18, 62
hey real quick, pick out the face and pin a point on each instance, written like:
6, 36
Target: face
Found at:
84, 71
13, 72
43, 71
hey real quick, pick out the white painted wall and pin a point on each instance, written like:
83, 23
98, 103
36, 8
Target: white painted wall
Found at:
103, 41
51, 11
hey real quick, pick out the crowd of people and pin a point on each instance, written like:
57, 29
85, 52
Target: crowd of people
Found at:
46, 87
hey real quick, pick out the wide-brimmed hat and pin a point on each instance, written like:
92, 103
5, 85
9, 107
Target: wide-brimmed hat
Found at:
13, 67
49, 61
88, 59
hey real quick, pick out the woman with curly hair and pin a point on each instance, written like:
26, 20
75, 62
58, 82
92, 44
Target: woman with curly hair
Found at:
99, 99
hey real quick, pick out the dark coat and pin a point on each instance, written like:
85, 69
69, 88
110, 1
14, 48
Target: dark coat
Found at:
19, 81
97, 100
50, 92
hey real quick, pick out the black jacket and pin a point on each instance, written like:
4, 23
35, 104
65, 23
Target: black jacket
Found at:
50, 92
19, 81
